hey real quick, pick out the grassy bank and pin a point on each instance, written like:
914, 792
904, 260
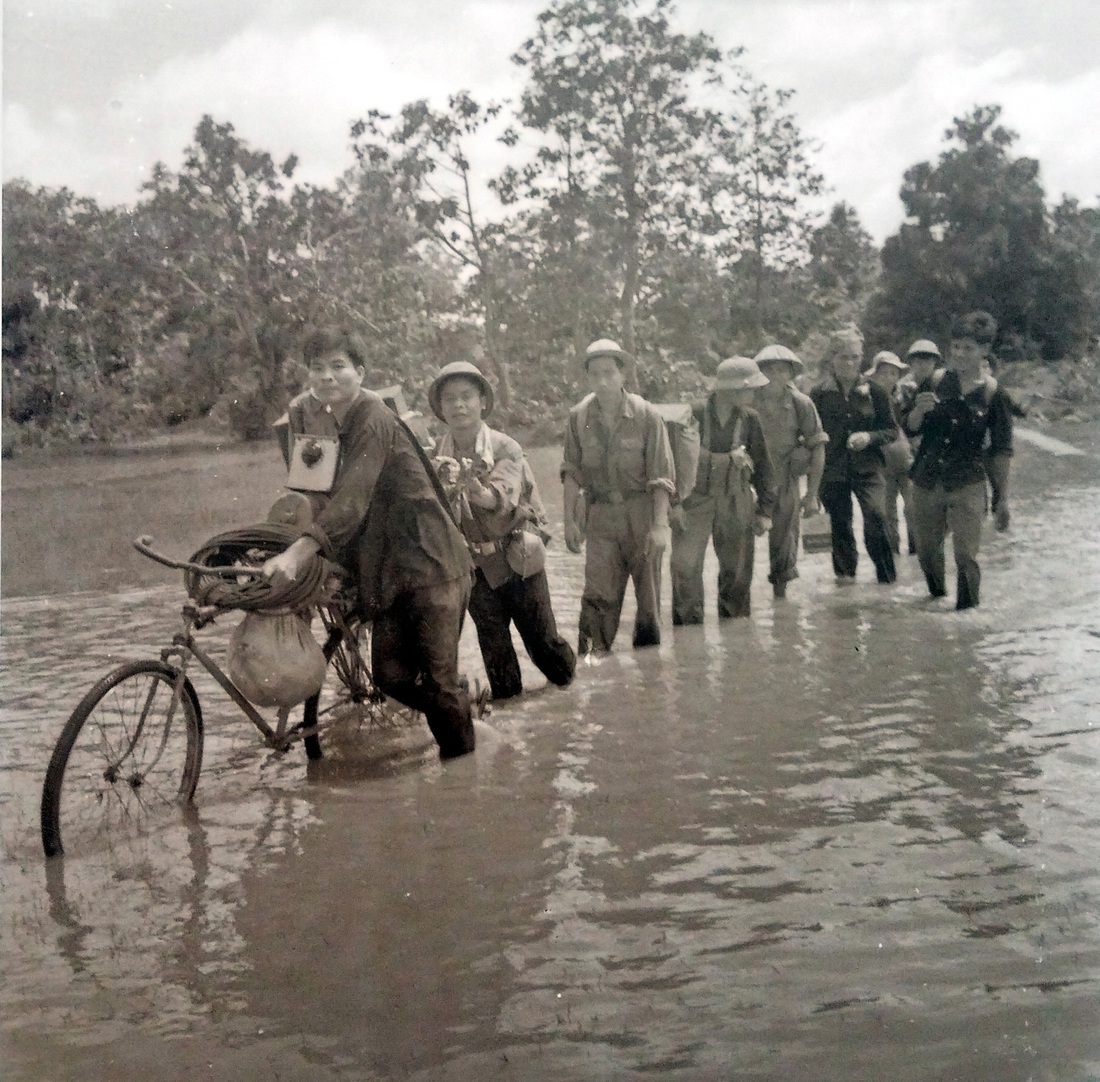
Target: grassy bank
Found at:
68, 521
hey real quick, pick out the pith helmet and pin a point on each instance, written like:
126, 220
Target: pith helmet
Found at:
605, 347
466, 371
738, 374
779, 353
885, 357
924, 347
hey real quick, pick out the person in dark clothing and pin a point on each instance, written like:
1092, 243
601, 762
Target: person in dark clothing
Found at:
885, 372
381, 518
924, 359
964, 421
732, 500
859, 421
497, 505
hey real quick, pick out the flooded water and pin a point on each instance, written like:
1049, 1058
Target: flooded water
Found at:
853, 837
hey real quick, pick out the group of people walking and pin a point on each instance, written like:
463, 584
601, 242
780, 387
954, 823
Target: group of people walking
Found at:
428, 539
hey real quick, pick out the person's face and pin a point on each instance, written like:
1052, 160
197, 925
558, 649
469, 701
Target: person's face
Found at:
334, 379
966, 356
779, 373
741, 398
605, 377
846, 361
921, 366
887, 376
461, 403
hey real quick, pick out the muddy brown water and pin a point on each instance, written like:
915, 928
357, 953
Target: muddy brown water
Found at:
853, 837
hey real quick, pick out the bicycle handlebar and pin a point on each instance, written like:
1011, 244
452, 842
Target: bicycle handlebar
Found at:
144, 545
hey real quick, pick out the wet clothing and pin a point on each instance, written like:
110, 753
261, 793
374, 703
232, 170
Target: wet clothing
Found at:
792, 429
385, 524
501, 595
938, 512
866, 408
898, 458
958, 436
526, 604
897, 484
617, 462
735, 483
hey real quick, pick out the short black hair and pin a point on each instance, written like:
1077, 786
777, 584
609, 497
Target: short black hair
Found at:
979, 326
326, 340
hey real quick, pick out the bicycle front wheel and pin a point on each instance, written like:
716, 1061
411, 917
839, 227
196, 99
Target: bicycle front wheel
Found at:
130, 748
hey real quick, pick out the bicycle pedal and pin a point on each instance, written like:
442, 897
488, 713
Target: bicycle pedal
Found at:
481, 704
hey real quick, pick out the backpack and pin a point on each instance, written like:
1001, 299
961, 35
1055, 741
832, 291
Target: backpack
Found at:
683, 436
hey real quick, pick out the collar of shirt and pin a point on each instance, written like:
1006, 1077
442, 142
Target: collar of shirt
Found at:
324, 417
483, 446
626, 406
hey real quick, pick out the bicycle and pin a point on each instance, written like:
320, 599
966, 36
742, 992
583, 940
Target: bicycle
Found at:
134, 743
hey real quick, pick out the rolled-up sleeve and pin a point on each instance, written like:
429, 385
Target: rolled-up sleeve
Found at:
810, 430
506, 476
660, 468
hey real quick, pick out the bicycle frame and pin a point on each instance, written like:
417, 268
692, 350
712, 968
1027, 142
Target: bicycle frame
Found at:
184, 647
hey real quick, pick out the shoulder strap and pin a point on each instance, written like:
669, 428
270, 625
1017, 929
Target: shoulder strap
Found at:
433, 477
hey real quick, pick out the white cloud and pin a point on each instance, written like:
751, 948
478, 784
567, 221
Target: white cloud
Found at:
61, 154
286, 91
877, 81
1055, 129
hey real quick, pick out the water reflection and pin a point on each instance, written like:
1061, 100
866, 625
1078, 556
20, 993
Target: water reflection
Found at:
850, 837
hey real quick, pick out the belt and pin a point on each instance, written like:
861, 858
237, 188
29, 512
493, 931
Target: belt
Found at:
488, 548
613, 497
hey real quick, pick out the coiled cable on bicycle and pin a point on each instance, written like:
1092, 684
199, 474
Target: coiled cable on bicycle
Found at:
250, 547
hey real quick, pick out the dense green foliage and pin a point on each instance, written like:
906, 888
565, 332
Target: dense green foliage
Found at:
978, 234
656, 193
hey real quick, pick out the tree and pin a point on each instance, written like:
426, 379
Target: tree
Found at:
978, 235
836, 285
427, 152
1076, 239
767, 175
610, 90
228, 269
74, 318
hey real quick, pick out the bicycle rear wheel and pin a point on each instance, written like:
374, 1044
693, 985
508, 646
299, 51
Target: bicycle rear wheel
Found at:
123, 756
355, 701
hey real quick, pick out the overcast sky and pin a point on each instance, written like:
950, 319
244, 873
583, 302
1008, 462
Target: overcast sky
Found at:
96, 91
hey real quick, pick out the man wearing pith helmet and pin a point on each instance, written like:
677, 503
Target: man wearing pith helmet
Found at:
497, 506
886, 372
796, 442
924, 360
617, 455
732, 500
